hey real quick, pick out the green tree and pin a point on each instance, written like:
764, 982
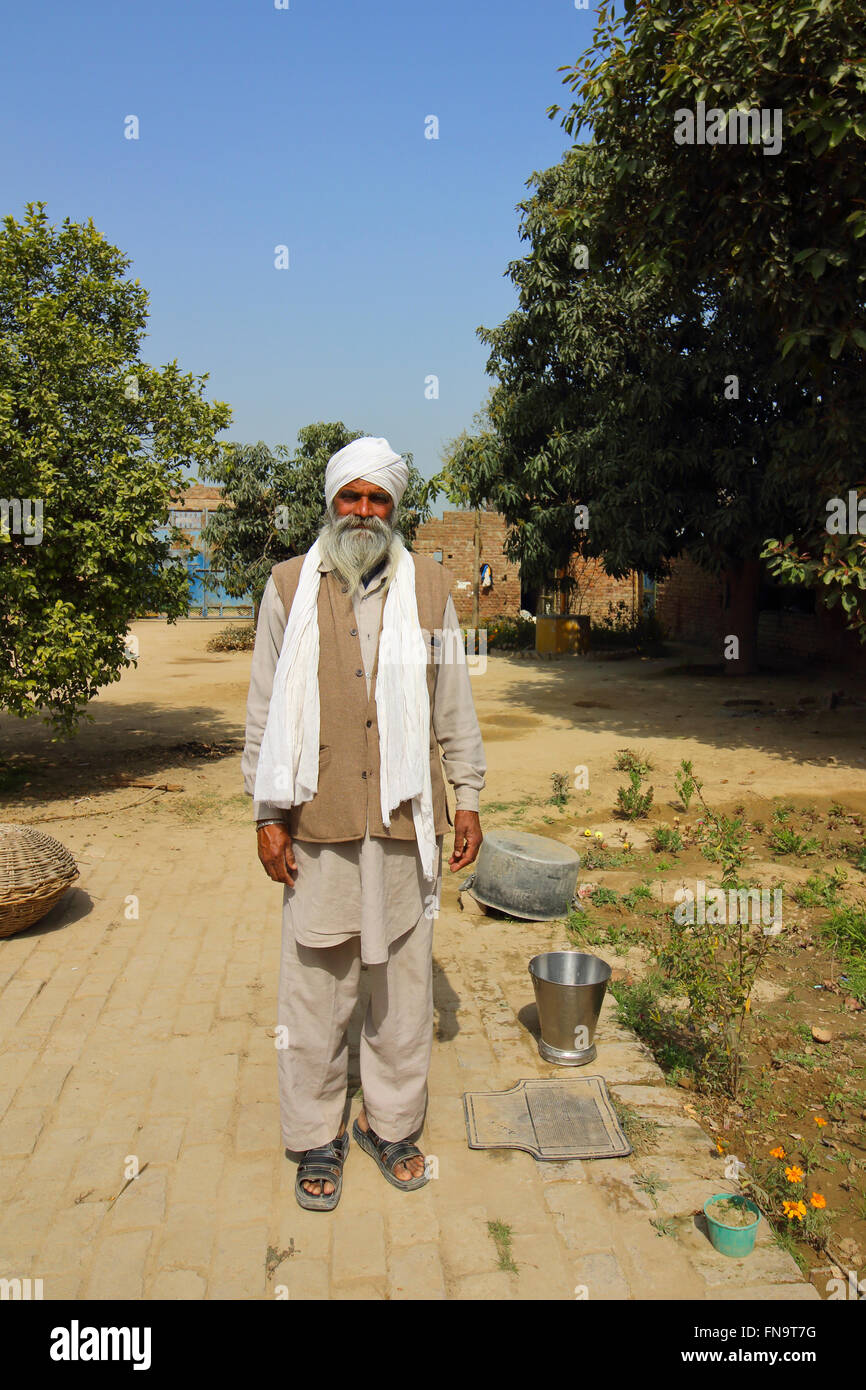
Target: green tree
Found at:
658, 409
274, 503
782, 224
650, 376
95, 442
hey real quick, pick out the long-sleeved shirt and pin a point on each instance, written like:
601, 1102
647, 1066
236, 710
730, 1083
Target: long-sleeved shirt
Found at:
372, 886
455, 724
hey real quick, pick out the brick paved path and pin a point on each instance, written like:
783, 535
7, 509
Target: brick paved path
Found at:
152, 1037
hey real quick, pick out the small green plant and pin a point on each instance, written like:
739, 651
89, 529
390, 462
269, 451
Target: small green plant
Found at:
631, 801
561, 785
664, 1225
667, 839
716, 968
788, 841
845, 929
639, 893
651, 1184
275, 1257
685, 783
502, 1240
603, 896
627, 760
781, 813
820, 890
582, 931
641, 1132
724, 840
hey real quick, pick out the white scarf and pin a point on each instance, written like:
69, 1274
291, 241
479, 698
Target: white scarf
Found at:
288, 768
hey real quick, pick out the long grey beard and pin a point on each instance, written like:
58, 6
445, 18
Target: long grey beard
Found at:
354, 545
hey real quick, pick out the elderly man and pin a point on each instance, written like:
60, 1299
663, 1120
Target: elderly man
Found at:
358, 672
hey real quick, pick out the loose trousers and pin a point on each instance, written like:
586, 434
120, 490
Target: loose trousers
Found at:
318, 990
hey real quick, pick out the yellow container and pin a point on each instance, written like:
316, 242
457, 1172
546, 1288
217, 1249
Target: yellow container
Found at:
558, 633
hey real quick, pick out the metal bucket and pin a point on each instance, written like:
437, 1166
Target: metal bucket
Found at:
569, 991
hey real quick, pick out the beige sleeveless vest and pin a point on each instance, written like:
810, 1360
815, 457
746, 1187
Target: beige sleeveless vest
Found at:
348, 793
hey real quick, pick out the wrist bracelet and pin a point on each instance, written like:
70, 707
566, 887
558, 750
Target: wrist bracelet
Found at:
261, 823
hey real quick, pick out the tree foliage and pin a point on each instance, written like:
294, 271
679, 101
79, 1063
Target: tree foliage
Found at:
787, 230
97, 441
675, 364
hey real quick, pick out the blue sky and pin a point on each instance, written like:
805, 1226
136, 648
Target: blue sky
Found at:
301, 127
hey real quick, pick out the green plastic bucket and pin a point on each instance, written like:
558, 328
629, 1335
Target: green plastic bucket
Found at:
732, 1240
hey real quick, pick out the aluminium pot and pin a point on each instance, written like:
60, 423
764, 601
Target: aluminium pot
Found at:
524, 875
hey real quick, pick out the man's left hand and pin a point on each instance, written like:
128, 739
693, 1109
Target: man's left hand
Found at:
467, 839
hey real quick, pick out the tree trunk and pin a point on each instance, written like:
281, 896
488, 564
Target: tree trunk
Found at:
741, 619
475, 579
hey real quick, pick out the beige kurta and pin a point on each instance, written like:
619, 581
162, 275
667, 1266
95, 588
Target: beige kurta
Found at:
373, 888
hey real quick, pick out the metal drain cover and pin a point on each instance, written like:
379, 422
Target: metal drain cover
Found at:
558, 1118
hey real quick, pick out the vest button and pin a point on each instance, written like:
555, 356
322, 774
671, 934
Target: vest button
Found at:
359, 672
353, 632
369, 723
344, 588
363, 774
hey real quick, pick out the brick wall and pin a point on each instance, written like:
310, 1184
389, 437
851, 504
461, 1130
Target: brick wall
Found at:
791, 641
454, 535
689, 603
598, 594
690, 606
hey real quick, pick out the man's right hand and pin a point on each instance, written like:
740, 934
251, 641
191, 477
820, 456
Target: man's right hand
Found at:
276, 853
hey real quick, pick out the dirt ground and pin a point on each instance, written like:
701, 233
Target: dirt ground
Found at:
177, 721
537, 717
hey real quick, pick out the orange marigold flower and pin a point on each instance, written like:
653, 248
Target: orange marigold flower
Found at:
819, 1120
818, 1200
794, 1174
720, 1146
795, 1210
778, 1152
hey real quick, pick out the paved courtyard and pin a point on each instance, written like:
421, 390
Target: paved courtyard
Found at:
153, 1038
137, 1029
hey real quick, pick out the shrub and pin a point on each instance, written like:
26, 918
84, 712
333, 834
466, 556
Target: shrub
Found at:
788, 841
604, 897
820, 890
685, 783
508, 634
561, 784
236, 638
622, 628
627, 760
631, 801
665, 839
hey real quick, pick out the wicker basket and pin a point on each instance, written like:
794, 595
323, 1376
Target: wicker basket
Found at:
35, 872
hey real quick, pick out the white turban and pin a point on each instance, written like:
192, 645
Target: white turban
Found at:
371, 459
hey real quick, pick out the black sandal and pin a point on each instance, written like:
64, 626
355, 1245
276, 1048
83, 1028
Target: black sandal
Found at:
321, 1165
388, 1153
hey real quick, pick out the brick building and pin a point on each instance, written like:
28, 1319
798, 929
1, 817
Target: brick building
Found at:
793, 628
451, 540
691, 603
